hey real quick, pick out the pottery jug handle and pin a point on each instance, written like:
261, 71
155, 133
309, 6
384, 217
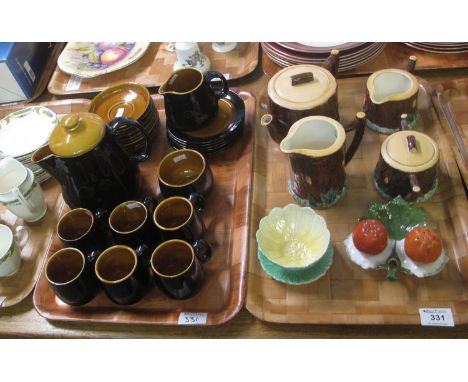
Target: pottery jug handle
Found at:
220, 93
115, 124
332, 62
358, 125
411, 65
202, 250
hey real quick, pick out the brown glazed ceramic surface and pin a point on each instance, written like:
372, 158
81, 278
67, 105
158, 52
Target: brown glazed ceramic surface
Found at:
81, 229
347, 294
190, 100
131, 223
101, 177
185, 173
393, 182
386, 115
226, 219
284, 118
319, 180
177, 270
295, 103
124, 273
71, 275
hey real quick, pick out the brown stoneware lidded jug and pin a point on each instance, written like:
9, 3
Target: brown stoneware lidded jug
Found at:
391, 93
84, 157
300, 91
318, 156
407, 166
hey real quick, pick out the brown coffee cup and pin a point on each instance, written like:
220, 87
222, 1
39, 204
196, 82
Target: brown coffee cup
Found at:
81, 229
176, 218
177, 269
130, 223
185, 173
124, 273
71, 275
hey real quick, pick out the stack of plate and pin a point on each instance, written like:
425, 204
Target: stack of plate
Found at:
440, 47
223, 131
132, 101
352, 54
23, 132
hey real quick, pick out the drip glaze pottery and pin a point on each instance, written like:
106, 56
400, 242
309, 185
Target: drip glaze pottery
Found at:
84, 156
70, 273
176, 219
132, 101
391, 93
185, 173
82, 229
407, 166
177, 269
223, 131
123, 273
131, 225
191, 98
316, 150
300, 91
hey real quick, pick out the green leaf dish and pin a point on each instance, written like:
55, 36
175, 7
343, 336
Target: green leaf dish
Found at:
398, 217
297, 276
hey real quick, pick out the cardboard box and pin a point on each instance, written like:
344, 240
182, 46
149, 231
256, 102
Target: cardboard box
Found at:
21, 68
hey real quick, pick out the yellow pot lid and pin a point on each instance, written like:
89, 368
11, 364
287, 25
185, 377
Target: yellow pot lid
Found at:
408, 154
76, 134
301, 87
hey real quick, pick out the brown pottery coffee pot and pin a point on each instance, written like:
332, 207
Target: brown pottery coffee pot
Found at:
84, 156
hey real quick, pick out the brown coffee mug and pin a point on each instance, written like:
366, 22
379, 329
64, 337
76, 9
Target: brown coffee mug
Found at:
176, 218
185, 173
81, 229
130, 223
71, 275
124, 273
177, 269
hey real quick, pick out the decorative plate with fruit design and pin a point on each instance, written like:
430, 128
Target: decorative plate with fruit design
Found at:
92, 59
398, 238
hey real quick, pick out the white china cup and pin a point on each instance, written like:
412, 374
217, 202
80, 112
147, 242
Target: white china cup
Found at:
19, 191
10, 249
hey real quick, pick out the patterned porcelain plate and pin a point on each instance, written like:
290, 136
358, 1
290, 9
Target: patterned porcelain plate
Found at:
93, 59
295, 276
24, 131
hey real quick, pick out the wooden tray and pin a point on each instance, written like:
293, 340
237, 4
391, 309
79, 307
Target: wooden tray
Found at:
451, 100
15, 288
348, 294
394, 55
226, 218
48, 70
156, 66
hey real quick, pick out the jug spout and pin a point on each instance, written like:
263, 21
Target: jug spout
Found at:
46, 159
315, 136
332, 62
411, 65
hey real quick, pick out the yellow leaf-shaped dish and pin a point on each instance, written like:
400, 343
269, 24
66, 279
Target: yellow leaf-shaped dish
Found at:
293, 236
